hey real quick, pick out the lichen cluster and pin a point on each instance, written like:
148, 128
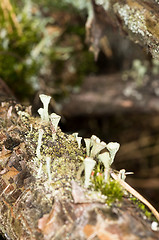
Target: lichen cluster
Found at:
44, 176
57, 158
133, 19
57, 162
65, 157
140, 24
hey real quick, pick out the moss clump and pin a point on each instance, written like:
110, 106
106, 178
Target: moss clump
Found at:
112, 189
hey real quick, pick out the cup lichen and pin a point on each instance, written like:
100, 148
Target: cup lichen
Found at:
56, 157
89, 164
45, 100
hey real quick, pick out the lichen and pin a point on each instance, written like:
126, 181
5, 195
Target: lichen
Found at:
64, 153
132, 18
105, 3
65, 160
140, 24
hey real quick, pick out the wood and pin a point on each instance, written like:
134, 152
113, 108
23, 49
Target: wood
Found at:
32, 207
137, 19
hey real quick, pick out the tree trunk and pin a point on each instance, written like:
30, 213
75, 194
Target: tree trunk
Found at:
36, 205
137, 19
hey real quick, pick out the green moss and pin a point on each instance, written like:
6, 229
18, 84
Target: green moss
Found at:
112, 189
143, 208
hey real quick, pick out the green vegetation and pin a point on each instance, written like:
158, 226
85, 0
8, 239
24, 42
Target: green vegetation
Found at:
23, 48
42, 47
143, 208
111, 188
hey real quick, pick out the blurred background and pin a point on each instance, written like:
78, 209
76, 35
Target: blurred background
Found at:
44, 49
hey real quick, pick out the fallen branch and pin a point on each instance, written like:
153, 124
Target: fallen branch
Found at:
40, 195
137, 19
136, 194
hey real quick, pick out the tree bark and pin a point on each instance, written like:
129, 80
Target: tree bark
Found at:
32, 206
137, 19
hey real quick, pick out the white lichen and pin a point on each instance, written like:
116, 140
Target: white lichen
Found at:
122, 174
40, 170
88, 145
97, 147
55, 119
154, 226
45, 100
75, 134
113, 147
105, 4
89, 164
94, 139
38, 154
106, 160
79, 139
133, 19
48, 161
23, 114
41, 113
31, 127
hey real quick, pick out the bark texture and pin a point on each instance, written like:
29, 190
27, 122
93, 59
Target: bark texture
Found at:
137, 19
34, 207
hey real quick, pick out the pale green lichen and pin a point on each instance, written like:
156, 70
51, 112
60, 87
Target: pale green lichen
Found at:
88, 145
105, 3
89, 164
132, 18
79, 139
122, 174
55, 120
56, 162
112, 147
140, 24
44, 112
41, 131
64, 158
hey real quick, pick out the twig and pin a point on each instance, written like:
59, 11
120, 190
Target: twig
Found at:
136, 194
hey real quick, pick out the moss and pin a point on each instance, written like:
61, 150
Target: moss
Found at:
143, 208
112, 189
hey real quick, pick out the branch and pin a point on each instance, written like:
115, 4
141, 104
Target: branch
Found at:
44, 200
137, 19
